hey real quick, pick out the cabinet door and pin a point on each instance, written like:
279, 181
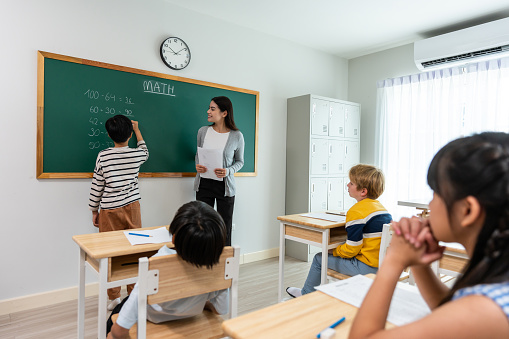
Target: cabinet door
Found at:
352, 154
319, 156
336, 156
352, 121
335, 194
319, 117
336, 119
348, 201
318, 201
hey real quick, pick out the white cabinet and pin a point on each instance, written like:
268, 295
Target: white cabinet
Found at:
336, 156
335, 194
318, 191
319, 156
322, 144
320, 117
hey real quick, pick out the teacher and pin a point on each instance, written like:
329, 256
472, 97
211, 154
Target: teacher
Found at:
225, 136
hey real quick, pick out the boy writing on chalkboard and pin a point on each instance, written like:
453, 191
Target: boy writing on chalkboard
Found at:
115, 185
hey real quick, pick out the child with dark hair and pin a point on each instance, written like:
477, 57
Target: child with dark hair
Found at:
470, 205
115, 185
364, 223
199, 234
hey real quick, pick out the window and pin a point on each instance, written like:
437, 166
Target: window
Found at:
418, 114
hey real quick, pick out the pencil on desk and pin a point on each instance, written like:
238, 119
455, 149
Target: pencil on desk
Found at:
333, 325
140, 235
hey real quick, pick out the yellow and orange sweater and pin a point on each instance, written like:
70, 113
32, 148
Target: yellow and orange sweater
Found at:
364, 222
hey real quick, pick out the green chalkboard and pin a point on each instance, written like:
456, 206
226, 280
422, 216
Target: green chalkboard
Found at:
77, 96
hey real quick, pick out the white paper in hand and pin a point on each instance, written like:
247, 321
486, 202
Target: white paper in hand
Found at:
212, 159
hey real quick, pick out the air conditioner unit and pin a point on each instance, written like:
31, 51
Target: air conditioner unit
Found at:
473, 44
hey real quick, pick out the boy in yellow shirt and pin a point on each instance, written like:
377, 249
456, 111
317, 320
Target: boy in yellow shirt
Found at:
364, 223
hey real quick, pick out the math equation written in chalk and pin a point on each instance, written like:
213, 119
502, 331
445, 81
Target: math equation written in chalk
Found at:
103, 106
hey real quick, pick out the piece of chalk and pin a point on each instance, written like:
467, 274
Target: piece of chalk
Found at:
328, 333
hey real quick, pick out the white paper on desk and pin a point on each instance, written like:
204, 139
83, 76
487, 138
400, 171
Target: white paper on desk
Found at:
406, 306
325, 216
212, 159
158, 235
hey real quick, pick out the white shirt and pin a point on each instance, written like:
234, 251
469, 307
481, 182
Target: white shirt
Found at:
115, 180
215, 140
171, 310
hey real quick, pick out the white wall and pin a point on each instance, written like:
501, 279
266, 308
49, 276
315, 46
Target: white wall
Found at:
39, 217
363, 74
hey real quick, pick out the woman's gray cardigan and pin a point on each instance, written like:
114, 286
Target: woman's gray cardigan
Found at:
233, 158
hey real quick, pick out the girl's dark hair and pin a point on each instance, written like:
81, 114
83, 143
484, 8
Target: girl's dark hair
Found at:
225, 104
478, 166
200, 234
119, 128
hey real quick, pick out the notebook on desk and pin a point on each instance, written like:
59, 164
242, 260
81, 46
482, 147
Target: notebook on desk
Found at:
407, 304
325, 216
336, 213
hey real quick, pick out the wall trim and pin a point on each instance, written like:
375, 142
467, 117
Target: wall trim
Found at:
43, 299
32, 301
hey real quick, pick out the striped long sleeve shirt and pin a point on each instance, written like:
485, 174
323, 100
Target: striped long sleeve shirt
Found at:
364, 223
115, 180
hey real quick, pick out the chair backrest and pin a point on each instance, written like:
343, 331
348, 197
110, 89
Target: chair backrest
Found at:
384, 242
167, 278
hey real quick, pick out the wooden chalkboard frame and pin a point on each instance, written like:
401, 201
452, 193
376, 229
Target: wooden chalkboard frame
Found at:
40, 115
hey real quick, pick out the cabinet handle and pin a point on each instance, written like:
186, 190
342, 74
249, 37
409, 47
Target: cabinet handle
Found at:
330, 187
346, 149
312, 188
330, 149
314, 148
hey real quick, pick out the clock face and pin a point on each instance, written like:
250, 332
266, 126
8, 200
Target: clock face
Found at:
175, 53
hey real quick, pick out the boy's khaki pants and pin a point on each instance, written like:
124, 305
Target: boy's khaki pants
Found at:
122, 218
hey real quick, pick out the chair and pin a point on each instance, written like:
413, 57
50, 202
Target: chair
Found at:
452, 262
384, 244
168, 278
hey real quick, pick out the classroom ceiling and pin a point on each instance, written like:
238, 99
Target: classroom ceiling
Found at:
349, 28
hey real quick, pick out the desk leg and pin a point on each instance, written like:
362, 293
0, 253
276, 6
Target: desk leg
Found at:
81, 296
281, 261
103, 299
325, 254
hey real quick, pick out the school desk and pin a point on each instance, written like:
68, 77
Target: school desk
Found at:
113, 257
316, 232
302, 317
423, 207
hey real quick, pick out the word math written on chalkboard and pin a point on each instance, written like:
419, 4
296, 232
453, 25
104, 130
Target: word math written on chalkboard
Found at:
75, 97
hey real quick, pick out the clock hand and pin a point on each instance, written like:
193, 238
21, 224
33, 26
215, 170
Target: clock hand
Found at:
172, 50
180, 51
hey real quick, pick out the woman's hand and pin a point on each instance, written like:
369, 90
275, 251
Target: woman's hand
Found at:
220, 172
201, 169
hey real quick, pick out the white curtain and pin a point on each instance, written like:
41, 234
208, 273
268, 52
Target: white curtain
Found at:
418, 114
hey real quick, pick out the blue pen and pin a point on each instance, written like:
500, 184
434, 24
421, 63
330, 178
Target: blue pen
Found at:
333, 325
140, 235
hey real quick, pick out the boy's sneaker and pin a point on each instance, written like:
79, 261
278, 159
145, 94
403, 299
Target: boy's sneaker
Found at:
294, 292
113, 303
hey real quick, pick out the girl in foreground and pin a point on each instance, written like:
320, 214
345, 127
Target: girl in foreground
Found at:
470, 180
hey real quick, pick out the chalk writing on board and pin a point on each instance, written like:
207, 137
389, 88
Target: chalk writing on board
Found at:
108, 96
112, 111
98, 144
157, 87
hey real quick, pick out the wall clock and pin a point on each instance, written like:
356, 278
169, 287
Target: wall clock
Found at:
175, 53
